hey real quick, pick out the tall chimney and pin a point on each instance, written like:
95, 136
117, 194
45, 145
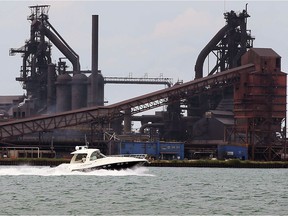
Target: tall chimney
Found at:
93, 99
94, 43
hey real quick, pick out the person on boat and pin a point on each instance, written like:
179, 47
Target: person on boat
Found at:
83, 159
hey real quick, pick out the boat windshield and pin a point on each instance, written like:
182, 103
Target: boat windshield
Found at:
96, 155
80, 157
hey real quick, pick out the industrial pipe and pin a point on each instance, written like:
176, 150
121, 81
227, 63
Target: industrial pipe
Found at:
207, 49
66, 51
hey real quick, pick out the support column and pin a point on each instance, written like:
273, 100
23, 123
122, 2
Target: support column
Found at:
127, 121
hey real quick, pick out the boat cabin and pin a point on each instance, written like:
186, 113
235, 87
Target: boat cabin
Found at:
83, 154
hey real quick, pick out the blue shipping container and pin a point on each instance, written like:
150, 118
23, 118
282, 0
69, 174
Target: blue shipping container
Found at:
232, 152
158, 150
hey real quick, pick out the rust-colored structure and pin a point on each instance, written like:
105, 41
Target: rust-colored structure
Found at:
260, 102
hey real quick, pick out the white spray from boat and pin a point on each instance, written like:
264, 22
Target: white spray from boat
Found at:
63, 170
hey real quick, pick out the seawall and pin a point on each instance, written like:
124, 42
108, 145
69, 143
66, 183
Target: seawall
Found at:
158, 163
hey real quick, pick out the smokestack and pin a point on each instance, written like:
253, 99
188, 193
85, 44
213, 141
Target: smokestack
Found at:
94, 43
93, 96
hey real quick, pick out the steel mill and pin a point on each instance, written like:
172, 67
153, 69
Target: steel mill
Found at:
237, 110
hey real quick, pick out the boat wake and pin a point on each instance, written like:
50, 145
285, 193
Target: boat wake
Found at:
63, 169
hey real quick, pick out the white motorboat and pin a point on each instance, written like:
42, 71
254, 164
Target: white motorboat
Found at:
85, 159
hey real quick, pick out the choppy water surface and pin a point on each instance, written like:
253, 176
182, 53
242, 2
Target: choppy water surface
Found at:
143, 191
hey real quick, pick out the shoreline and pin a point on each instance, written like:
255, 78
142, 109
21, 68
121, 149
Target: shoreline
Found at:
234, 163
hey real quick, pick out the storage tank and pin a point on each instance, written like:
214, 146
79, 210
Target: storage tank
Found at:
79, 91
63, 93
89, 92
95, 89
100, 90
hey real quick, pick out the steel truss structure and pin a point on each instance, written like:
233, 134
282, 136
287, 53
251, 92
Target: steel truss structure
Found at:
114, 111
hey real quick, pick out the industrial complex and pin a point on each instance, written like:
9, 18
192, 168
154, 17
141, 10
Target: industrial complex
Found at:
238, 110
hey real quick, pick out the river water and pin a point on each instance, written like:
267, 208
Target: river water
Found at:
28, 190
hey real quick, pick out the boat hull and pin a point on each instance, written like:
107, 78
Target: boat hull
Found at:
112, 166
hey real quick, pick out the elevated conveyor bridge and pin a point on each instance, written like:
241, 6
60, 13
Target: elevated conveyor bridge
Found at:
114, 111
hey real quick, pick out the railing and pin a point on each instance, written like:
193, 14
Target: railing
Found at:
140, 156
146, 80
29, 150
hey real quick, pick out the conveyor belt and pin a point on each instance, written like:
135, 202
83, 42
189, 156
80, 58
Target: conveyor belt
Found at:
136, 105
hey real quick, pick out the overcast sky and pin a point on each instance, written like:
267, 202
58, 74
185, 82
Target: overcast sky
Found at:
138, 38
